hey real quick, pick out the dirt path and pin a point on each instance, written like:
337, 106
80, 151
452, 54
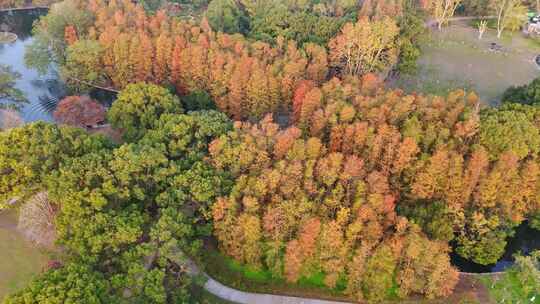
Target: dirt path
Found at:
471, 287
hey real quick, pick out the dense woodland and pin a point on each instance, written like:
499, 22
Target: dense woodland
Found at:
284, 145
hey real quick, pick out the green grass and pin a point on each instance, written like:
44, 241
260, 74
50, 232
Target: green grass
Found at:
508, 289
235, 275
19, 260
455, 58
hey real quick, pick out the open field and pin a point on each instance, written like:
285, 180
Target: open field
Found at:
456, 58
19, 260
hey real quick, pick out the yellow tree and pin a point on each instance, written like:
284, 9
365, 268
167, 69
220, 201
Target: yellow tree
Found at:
364, 47
510, 14
442, 10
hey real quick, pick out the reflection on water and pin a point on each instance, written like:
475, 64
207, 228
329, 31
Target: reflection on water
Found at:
42, 91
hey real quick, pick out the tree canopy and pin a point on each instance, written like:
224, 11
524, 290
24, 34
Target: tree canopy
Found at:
139, 106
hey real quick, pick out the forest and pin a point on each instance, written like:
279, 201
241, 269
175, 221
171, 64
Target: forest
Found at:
266, 127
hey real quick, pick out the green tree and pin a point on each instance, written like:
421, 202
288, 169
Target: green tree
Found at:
483, 240
511, 128
137, 211
527, 94
139, 106
72, 283
30, 153
301, 27
83, 62
10, 97
226, 16
412, 29
198, 100
48, 45
434, 218
379, 275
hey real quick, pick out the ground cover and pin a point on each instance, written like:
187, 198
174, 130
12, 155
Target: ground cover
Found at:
456, 58
19, 260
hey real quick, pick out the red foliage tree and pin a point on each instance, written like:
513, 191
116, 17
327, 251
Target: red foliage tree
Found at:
80, 111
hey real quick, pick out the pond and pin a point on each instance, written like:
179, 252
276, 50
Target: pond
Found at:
43, 92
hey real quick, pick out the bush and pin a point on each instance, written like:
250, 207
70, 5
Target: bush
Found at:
528, 94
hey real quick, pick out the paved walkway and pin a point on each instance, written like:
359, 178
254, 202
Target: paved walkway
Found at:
241, 297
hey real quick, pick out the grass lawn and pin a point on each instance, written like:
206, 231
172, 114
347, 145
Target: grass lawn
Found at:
456, 58
19, 260
508, 289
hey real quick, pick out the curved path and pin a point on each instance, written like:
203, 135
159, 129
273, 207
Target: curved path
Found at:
221, 291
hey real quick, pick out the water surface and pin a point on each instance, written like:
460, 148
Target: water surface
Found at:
42, 91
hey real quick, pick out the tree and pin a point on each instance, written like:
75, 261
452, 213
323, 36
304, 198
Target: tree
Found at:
79, 111
424, 267
72, 283
510, 128
136, 211
30, 153
366, 46
83, 62
483, 239
482, 27
378, 277
139, 106
197, 101
48, 45
528, 94
510, 13
226, 16
300, 26
11, 97
442, 10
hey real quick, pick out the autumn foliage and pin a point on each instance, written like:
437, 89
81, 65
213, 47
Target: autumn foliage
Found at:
298, 203
246, 79
337, 192
364, 185
79, 111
